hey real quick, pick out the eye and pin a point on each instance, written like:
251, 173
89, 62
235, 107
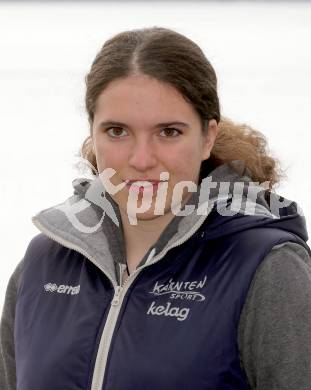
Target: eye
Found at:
170, 131
119, 130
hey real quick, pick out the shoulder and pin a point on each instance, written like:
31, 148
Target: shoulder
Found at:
36, 246
275, 325
283, 277
7, 353
40, 248
283, 265
39, 243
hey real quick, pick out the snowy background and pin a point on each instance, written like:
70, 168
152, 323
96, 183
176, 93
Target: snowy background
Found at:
260, 51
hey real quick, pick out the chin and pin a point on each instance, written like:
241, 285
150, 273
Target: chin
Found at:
146, 216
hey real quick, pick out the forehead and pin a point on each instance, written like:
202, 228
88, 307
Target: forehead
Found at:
145, 99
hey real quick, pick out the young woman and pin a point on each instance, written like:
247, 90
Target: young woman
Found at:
177, 266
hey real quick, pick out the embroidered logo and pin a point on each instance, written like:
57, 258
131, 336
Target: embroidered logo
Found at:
62, 288
180, 313
181, 289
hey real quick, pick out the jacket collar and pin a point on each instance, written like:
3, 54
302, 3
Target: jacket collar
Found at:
89, 220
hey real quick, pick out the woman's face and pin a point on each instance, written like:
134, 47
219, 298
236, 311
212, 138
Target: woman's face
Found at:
138, 148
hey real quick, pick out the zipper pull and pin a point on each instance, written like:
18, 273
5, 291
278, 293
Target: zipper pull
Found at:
116, 298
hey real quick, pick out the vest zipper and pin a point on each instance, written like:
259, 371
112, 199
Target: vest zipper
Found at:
113, 314
119, 293
116, 304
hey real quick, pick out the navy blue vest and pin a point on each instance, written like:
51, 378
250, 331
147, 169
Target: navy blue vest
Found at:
177, 327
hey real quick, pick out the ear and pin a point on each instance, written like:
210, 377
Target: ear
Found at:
209, 138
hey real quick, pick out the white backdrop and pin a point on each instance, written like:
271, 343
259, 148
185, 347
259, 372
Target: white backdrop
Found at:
260, 52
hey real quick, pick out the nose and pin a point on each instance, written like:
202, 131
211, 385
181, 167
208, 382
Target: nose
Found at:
142, 155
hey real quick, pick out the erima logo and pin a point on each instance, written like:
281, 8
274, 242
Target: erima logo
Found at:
62, 288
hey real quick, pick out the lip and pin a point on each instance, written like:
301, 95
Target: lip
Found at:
140, 188
148, 180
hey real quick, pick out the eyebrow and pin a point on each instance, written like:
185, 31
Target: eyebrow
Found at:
158, 125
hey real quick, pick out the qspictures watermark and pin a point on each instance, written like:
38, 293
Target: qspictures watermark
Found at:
238, 202
231, 199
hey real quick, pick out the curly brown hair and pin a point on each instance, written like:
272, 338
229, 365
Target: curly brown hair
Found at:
170, 57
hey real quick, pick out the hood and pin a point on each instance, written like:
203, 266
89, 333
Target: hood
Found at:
227, 200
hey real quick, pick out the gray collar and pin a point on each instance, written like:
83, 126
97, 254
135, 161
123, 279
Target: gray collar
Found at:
79, 221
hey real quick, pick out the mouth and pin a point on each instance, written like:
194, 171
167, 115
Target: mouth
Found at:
141, 183
144, 185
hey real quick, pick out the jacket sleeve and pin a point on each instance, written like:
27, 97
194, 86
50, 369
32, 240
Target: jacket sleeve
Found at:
7, 351
274, 334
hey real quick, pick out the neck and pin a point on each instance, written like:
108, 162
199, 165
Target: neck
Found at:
140, 237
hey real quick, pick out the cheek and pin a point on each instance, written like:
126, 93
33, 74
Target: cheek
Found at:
108, 157
184, 163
